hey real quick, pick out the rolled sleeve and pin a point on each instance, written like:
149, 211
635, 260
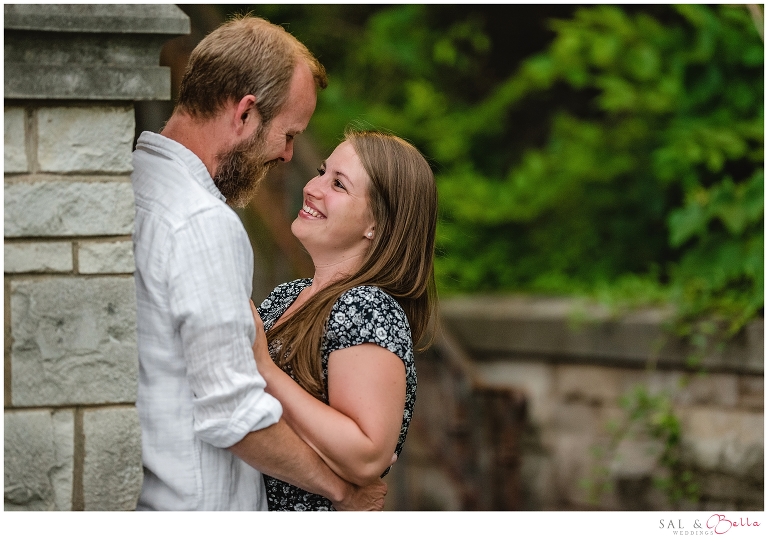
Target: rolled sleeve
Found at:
209, 293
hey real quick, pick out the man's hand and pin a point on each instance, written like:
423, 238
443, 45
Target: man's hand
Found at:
367, 498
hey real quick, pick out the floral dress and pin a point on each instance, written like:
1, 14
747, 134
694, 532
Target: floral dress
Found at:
362, 314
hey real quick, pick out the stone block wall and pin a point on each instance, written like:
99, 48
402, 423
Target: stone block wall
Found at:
571, 364
72, 73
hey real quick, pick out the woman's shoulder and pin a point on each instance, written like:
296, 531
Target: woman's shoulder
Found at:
368, 295
372, 304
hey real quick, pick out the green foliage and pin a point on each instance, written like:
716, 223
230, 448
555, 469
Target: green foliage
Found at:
639, 161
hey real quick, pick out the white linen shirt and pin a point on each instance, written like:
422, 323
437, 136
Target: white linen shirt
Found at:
199, 390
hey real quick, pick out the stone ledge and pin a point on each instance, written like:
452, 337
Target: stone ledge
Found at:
25, 81
559, 329
115, 18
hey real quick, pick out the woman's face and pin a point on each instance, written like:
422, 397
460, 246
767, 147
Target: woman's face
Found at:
335, 221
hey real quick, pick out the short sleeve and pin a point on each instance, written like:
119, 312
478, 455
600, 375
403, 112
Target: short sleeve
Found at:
366, 314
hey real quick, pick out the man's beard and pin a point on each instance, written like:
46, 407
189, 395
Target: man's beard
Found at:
241, 170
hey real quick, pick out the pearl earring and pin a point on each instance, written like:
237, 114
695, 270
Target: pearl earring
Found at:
370, 234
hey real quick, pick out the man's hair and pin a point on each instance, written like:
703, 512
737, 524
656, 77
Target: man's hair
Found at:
402, 197
246, 55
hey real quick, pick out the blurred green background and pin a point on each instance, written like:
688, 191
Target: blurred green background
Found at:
609, 151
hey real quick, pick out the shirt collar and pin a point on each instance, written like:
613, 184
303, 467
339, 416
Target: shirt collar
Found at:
179, 153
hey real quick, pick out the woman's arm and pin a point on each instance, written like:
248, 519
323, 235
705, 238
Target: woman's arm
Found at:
356, 435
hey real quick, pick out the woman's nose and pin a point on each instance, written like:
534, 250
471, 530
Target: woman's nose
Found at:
314, 187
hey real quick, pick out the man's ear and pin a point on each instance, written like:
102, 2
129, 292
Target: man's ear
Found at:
246, 115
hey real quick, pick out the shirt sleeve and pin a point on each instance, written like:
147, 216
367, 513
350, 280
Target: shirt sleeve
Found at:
366, 314
210, 273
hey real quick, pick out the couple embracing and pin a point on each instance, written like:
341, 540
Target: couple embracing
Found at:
304, 402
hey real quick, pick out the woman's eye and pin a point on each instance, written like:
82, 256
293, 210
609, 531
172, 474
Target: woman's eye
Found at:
320, 171
337, 183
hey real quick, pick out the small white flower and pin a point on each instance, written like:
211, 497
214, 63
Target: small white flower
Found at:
381, 334
339, 317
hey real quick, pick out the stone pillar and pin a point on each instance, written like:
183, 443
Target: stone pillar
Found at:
72, 75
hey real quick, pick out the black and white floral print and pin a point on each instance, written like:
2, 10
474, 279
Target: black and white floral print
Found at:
361, 315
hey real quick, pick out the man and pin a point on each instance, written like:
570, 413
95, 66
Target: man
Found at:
207, 424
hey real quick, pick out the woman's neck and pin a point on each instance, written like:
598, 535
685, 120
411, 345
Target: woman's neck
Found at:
333, 271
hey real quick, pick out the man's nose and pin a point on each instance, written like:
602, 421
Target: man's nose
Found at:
287, 153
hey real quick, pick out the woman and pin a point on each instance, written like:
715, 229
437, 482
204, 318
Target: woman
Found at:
340, 354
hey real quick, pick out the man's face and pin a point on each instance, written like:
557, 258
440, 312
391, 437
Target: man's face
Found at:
241, 169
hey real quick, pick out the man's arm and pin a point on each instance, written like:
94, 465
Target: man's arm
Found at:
278, 452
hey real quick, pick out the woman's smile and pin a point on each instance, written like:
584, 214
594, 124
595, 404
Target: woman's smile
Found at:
307, 209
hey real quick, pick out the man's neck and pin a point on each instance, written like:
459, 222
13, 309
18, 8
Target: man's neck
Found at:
203, 137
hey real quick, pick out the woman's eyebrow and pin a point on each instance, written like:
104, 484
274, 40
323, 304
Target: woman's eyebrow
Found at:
337, 172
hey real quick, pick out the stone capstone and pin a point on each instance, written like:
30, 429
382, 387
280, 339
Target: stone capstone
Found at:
87, 51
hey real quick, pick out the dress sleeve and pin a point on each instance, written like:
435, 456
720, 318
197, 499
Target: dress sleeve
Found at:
366, 314
210, 264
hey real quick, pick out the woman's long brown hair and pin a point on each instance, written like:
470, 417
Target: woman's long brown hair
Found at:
403, 200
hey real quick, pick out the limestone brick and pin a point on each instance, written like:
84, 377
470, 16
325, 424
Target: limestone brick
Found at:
68, 206
105, 257
14, 151
38, 459
73, 341
725, 441
38, 257
112, 469
96, 139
